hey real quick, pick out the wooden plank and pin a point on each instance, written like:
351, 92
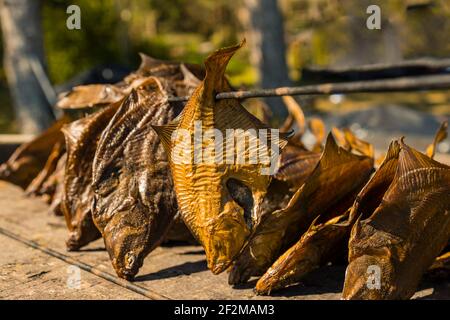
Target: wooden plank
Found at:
178, 272
29, 274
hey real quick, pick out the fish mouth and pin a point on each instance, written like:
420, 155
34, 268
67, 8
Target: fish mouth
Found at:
239, 274
127, 274
219, 261
74, 243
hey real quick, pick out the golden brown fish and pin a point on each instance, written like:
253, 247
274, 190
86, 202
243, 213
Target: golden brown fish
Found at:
408, 225
82, 137
322, 243
134, 203
220, 201
334, 181
325, 239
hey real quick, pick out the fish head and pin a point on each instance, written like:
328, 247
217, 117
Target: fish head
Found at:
365, 278
224, 236
126, 242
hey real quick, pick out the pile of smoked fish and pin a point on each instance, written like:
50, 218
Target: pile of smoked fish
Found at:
110, 169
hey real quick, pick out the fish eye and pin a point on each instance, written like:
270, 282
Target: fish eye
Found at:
243, 196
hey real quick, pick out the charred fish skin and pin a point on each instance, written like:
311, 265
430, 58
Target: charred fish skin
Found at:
134, 203
81, 141
204, 190
404, 234
318, 194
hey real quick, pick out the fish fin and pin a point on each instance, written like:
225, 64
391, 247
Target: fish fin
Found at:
359, 145
333, 154
441, 135
317, 128
315, 223
148, 62
411, 159
152, 84
296, 112
165, 134
392, 153
229, 114
216, 64
340, 138
284, 137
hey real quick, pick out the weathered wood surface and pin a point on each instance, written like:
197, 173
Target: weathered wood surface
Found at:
177, 272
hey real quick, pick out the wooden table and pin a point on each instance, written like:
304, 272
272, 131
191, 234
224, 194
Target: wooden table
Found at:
177, 272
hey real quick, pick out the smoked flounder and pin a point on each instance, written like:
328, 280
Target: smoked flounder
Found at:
184, 78
81, 142
29, 159
404, 232
134, 203
219, 201
333, 182
322, 243
326, 238
82, 136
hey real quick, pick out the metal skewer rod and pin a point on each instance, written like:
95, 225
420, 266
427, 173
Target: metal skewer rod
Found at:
428, 82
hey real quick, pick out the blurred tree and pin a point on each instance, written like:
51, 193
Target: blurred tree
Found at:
264, 24
22, 39
70, 52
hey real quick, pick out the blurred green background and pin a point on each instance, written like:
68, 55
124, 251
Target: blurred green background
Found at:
317, 32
